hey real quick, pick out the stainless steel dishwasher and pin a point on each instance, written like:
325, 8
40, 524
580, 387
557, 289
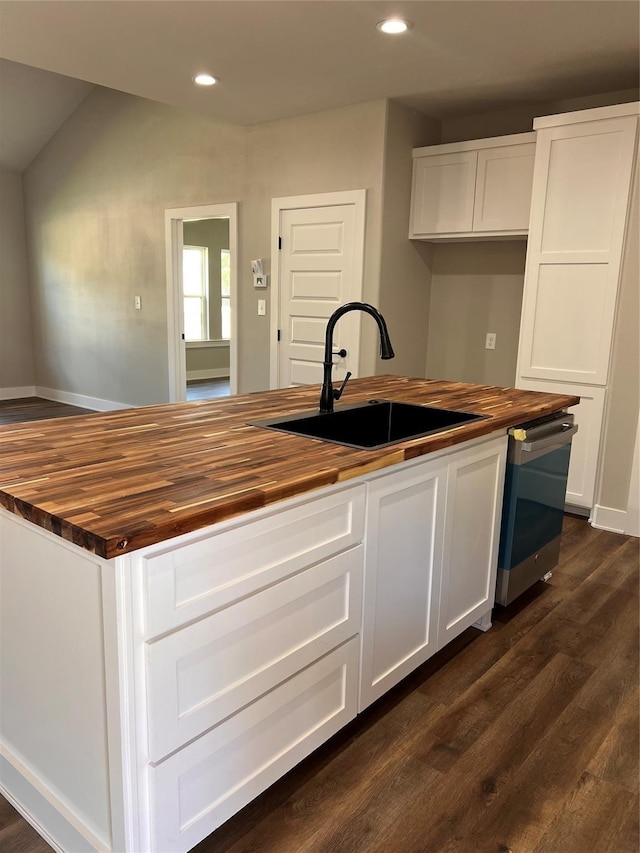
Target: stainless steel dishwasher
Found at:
534, 497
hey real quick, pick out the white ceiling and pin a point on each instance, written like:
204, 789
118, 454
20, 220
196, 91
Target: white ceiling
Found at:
279, 58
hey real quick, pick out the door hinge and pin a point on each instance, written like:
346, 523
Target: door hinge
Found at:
278, 335
182, 336
279, 243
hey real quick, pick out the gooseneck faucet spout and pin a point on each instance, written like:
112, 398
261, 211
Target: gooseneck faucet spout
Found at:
329, 393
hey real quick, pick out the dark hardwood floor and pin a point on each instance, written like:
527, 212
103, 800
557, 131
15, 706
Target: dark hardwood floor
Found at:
36, 409
523, 739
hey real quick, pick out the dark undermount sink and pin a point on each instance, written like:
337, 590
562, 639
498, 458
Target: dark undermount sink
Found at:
370, 425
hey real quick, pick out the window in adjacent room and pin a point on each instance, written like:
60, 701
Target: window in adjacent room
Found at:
225, 293
195, 283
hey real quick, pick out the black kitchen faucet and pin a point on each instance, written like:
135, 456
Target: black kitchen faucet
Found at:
329, 393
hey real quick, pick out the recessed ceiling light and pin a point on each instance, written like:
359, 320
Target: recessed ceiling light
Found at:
394, 25
204, 80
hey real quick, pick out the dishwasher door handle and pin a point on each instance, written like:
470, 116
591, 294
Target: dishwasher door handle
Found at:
556, 439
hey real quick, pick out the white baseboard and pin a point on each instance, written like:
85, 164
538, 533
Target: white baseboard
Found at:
212, 373
606, 518
17, 393
52, 819
80, 400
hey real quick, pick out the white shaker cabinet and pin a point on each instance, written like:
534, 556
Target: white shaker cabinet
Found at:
475, 487
585, 446
194, 672
578, 220
467, 190
579, 213
431, 549
405, 533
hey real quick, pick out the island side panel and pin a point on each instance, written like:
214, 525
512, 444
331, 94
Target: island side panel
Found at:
53, 705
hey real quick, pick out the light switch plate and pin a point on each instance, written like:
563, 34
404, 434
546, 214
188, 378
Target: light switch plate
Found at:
262, 307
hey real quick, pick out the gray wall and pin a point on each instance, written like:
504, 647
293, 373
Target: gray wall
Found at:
475, 288
325, 152
16, 343
519, 119
94, 200
623, 402
405, 265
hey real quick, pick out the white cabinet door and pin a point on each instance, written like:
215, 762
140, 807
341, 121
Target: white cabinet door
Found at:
479, 188
585, 447
474, 505
207, 671
197, 788
443, 193
186, 580
503, 188
582, 181
403, 547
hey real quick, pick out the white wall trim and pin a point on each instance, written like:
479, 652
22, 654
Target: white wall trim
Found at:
17, 393
219, 344
606, 518
31, 820
40, 788
81, 400
211, 373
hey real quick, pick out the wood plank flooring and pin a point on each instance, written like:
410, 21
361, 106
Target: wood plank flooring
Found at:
520, 740
206, 389
36, 409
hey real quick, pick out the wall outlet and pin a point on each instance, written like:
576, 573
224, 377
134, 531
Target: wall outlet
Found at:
262, 307
491, 341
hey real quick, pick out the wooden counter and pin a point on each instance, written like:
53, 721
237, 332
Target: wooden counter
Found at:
115, 482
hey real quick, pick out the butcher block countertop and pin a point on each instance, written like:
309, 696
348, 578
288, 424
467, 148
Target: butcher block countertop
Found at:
113, 482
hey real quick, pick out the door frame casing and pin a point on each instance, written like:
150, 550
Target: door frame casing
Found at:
358, 198
173, 219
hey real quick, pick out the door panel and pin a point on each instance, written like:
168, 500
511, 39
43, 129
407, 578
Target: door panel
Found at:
585, 447
578, 214
320, 269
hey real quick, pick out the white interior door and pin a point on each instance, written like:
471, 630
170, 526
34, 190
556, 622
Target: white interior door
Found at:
318, 269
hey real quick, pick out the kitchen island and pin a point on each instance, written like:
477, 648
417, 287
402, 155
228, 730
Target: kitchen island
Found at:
190, 604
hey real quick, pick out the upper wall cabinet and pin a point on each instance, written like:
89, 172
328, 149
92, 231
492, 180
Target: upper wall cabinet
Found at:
472, 190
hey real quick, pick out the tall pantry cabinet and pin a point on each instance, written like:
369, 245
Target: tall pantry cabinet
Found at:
579, 211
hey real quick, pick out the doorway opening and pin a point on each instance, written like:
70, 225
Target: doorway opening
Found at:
202, 264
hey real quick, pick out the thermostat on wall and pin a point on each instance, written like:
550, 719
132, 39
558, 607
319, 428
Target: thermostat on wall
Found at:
259, 278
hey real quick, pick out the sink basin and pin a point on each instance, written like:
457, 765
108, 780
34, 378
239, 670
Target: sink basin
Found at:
377, 423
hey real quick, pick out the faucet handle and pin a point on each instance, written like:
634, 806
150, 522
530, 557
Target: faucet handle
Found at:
337, 394
341, 352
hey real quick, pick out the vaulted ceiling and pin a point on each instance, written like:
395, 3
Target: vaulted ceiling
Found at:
279, 58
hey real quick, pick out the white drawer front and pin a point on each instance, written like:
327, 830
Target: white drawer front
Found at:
198, 788
210, 669
189, 581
